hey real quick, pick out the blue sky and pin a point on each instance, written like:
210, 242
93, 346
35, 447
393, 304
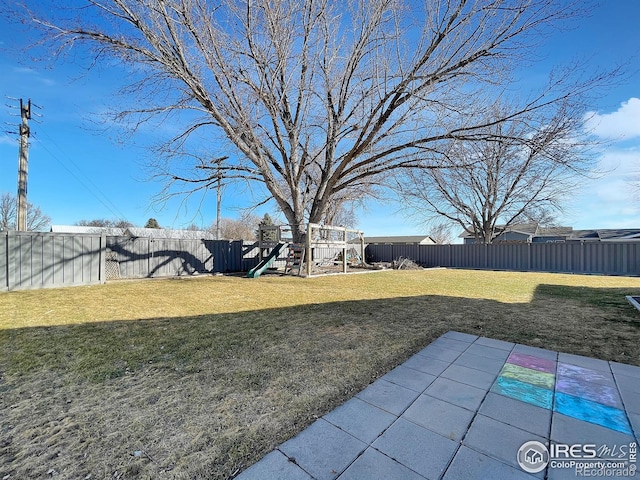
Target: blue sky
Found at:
78, 171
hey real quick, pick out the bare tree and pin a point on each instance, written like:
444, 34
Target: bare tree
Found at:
103, 222
441, 233
522, 171
244, 228
7, 212
317, 97
37, 221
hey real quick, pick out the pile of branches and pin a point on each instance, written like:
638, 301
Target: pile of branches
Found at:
402, 263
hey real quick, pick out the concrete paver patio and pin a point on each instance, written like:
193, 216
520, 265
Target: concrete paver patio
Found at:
462, 408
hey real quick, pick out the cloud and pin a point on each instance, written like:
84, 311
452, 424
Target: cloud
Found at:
24, 70
620, 162
623, 124
24, 74
607, 201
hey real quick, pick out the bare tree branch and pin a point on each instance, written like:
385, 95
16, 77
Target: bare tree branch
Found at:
314, 96
523, 169
37, 221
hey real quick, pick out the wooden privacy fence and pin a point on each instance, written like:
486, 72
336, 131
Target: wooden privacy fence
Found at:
30, 260
619, 258
130, 257
41, 260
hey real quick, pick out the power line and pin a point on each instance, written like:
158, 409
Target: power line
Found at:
89, 185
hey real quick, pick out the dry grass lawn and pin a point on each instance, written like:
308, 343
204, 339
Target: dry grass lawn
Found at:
199, 378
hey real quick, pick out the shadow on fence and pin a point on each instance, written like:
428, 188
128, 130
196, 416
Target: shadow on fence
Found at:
30, 260
145, 257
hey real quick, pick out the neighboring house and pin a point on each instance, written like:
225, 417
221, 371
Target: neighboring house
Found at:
167, 233
398, 240
108, 231
524, 233
606, 235
551, 234
135, 232
532, 233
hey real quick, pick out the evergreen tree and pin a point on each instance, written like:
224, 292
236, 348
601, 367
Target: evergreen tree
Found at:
152, 223
267, 220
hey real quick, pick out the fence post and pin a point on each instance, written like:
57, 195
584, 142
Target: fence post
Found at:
149, 259
309, 252
6, 260
102, 268
12, 263
486, 256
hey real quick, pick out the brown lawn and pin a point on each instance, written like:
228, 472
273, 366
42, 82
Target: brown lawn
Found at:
199, 378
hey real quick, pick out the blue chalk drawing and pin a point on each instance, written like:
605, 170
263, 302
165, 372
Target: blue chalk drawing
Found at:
580, 393
592, 412
523, 391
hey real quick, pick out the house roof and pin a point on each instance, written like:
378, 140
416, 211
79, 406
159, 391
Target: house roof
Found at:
109, 231
532, 229
584, 235
135, 232
399, 239
606, 235
594, 235
524, 228
623, 234
168, 233
554, 231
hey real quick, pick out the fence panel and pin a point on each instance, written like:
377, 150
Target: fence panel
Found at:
250, 255
508, 257
590, 261
464, 257
619, 258
439, 256
130, 256
40, 260
37, 260
223, 256
163, 257
174, 257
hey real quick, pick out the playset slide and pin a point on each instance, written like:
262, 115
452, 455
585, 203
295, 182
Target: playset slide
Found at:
266, 262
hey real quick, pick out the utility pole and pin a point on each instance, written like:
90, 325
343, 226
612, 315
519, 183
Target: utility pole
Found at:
25, 113
219, 177
218, 203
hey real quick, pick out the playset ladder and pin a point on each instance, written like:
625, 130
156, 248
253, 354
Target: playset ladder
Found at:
295, 258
